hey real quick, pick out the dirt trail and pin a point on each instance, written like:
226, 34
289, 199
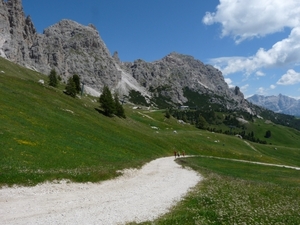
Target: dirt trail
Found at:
247, 161
137, 195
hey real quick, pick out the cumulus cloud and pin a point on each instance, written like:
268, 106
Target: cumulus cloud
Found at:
272, 86
261, 91
248, 19
260, 74
229, 82
244, 88
284, 53
290, 78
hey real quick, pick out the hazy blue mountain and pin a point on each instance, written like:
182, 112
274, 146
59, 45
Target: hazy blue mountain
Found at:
280, 103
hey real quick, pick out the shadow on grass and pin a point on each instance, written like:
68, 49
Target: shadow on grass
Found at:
102, 112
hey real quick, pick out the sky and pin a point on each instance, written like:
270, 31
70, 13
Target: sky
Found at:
255, 43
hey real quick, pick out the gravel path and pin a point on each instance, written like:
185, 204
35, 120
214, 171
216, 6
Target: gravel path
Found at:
137, 195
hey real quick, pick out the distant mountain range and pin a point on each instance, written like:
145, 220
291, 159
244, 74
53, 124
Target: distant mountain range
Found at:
278, 104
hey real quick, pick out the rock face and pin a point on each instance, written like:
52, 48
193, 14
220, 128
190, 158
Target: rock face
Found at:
176, 71
279, 104
68, 47
17, 32
71, 48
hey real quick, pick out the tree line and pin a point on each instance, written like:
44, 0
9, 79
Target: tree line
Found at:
209, 119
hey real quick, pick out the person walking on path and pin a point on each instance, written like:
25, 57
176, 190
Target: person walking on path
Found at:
175, 153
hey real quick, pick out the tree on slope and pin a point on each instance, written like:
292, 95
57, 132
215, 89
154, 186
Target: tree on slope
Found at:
71, 87
201, 122
107, 102
76, 79
53, 78
119, 110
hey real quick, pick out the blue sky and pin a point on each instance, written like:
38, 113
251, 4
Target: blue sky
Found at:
255, 43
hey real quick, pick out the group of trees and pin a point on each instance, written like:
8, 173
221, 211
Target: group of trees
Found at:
110, 104
73, 84
209, 120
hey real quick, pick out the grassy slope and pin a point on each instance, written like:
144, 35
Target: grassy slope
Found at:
46, 135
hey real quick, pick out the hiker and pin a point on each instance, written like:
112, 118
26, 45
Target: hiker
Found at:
175, 153
183, 153
178, 153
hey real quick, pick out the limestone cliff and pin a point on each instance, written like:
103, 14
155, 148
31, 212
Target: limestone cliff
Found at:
68, 47
176, 71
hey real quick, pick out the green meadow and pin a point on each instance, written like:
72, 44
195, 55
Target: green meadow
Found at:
46, 135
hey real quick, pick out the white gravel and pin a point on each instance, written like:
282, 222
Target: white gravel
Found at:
137, 195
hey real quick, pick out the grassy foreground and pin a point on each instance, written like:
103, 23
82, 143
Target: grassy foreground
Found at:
47, 135
238, 193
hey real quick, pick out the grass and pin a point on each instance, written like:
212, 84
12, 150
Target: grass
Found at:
238, 193
47, 135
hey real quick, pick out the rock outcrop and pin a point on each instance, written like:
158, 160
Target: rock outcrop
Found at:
72, 48
175, 72
68, 47
17, 32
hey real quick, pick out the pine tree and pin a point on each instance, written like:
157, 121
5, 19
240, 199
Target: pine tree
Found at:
53, 78
76, 79
119, 110
268, 134
71, 87
107, 102
167, 114
201, 122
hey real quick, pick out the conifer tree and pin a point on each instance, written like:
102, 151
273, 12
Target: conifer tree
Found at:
167, 113
53, 78
119, 110
107, 102
76, 79
201, 122
71, 87
268, 134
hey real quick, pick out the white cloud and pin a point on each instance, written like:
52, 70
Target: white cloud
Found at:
272, 86
284, 53
260, 74
244, 88
261, 91
248, 19
229, 82
291, 77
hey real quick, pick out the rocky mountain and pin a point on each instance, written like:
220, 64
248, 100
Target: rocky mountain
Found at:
170, 75
68, 47
280, 104
71, 48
